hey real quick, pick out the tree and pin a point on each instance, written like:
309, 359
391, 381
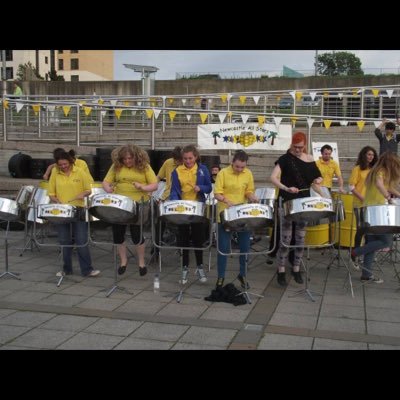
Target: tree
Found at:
339, 63
52, 76
27, 72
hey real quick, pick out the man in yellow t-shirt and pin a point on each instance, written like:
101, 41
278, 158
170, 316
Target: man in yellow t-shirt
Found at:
329, 168
165, 171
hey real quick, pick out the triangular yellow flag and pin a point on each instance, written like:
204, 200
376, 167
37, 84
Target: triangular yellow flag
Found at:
293, 119
203, 117
149, 113
5, 104
360, 125
224, 97
326, 94
172, 115
87, 110
261, 119
118, 112
36, 108
66, 110
100, 101
242, 99
126, 103
355, 92
170, 100
197, 100
299, 95
375, 92
327, 123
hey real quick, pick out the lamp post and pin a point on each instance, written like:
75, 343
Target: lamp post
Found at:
4, 72
316, 63
146, 71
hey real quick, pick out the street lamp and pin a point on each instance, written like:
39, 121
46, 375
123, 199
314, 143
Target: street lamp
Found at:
146, 71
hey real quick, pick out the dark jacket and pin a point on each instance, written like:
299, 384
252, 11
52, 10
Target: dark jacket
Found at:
387, 145
203, 181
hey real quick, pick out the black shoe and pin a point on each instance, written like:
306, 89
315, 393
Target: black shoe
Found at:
121, 269
281, 277
241, 280
142, 271
220, 283
297, 276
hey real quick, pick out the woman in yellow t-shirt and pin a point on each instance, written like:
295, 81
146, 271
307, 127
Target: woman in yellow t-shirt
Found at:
381, 184
130, 175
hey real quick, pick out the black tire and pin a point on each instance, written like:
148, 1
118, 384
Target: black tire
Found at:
38, 167
91, 161
103, 161
19, 165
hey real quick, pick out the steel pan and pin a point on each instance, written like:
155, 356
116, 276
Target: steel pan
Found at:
113, 208
266, 195
9, 209
246, 217
58, 213
96, 188
24, 196
310, 209
39, 196
157, 194
182, 211
380, 219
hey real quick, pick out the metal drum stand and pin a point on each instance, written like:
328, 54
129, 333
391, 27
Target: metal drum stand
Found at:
7, 272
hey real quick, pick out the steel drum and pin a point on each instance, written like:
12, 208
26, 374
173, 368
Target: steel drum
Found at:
182, 211
58, 213
24, 196
39, 196
113, 208
246, 217
266, 195
157, 194
9, 210
96, 188
310, 209
380, 219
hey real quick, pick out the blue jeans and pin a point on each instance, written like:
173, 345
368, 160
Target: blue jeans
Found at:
80, 233
224, 245
372, 244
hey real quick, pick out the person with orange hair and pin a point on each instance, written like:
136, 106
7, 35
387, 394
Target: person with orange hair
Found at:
293, 174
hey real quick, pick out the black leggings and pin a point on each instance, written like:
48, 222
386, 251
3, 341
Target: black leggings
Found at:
196, 233
119, 234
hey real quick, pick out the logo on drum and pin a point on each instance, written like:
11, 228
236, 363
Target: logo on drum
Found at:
180, 208
255, 213
55, 211
105, 201
317, 205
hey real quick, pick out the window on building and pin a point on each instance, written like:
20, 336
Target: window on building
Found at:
74, 51
60, 51
60, 65
74, 63
9, 73
46, 60
74, 78
9, 55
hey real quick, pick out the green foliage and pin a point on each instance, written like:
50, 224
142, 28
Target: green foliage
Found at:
339, 63
52, 76
27, 72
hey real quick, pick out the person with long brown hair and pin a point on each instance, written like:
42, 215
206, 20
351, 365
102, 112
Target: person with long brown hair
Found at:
293, 174
130, 175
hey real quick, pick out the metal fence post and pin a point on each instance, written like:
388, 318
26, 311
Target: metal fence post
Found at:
152, 132
78, 123
362, 104
40, 122
163, 116
4, 124
100, 111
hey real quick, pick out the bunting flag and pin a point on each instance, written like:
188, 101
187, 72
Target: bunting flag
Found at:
100, 101
163, 97
87, 110
327, 123
360, 125
170, 100
127, 103
66, 110
389, 93
326, 94
36, 108
229, 97
51, 108
242, 99
19, 106
293, 120
156, 113
256, 99
340, 95
310, 122
375, 92
153, 103
82, 103
355, 92
222, 117
188, 117
203, 117
197, 100
5, 104
149, 113
230, 114
133, 112
344, 122
172, 115
261, 120
293, 94
277, 121
244, 117
103, 113
118, 112
224, 98
113, 102
377, 123
210, 101
312, 95
183, 101
139, 103
299, 95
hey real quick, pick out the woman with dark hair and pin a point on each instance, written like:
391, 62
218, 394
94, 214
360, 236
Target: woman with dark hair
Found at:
234, 186
130, 175
293, 175
191, 181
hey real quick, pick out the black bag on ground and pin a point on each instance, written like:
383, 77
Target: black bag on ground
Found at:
227, 294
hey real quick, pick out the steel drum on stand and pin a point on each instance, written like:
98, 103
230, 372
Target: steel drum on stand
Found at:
346, 216
381, 219
58, 213
182, 211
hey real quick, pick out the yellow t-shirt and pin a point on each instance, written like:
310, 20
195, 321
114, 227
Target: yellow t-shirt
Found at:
80, 164
373, 196
67, 187
357, 179
328, 170
124, 178
187, 178
234, 186
165, 173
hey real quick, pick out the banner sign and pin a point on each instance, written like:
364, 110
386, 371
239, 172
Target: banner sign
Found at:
239, 136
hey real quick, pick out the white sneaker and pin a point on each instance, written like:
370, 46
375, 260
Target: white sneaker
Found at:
373, 279
356, 264
93, 272
184, 278
201, 274
59, 274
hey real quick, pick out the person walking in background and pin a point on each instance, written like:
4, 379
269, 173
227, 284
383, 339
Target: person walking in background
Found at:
293, 175
389, 140
130, 175
381, 184
17, 93
329, 168
234, 185
191, 181
70, 185
367, 157
214, 172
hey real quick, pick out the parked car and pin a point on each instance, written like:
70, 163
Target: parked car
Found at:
307, 101
286, 103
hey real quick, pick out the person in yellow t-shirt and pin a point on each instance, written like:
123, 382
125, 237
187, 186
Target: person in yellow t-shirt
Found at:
381, 184
329, 168
130, 175
70, 185
234, 185
166, 169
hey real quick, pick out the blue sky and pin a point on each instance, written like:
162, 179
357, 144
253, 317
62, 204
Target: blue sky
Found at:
170, 62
